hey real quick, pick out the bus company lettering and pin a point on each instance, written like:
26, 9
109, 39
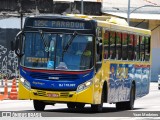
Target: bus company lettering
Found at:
59, 24
63, 24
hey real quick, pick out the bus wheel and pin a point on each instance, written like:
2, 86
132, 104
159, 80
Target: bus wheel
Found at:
38, 105
80, 105
120, 105
130, 104
98, 107
71, 105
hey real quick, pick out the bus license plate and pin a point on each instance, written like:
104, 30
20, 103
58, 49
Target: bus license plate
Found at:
54, 95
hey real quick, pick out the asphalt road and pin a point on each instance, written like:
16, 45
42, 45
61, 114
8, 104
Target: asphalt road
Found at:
147, 106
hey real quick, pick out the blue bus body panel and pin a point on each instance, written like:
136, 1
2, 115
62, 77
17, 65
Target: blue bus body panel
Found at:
121, 78
56, 81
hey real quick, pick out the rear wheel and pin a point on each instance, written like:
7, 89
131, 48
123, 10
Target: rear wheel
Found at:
128, 105
38, 105
120, 106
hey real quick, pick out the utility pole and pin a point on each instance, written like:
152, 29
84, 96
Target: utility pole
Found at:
82, 6
21, 14
128, 12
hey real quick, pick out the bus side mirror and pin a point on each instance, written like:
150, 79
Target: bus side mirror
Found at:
17, 45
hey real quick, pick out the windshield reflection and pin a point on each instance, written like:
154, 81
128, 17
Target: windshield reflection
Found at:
60, 51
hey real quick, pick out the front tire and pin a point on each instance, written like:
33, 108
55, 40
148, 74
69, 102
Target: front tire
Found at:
98, 107
80, 105
38, 105
71, 105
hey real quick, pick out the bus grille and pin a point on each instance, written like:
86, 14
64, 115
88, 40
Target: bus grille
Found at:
47, 76
61, 94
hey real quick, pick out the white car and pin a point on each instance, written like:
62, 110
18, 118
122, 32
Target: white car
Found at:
159, 82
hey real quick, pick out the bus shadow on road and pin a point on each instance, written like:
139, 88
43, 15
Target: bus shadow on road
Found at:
87, 110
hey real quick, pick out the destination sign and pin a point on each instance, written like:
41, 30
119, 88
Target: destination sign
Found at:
59, 24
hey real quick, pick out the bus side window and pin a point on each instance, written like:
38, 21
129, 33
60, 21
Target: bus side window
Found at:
124, 46
112, 45
137, 48
147, 48
106, 45
130, 47
118, 46
142, 40
134, 46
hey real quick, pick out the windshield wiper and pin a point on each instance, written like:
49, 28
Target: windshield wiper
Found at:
69, 43
42, 37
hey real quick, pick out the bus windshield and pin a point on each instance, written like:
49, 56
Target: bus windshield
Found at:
57, 51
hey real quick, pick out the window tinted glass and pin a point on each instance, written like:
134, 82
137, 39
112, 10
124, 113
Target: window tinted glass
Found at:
147, 48
118, 46
124, 46
106, 44
131, 47
112, 45
137, 47
142, 48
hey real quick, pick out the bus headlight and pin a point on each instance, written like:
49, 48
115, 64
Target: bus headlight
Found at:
85, 85
25, 83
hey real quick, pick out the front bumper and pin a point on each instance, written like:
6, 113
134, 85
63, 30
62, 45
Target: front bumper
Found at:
85, 96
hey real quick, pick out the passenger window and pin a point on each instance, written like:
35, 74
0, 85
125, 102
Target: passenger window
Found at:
142, 40
124, 46
118, 46
106, 45
112, 45
147, 48
137, 47
130, 47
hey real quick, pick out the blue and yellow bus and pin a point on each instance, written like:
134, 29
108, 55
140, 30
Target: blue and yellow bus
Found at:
78, 60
